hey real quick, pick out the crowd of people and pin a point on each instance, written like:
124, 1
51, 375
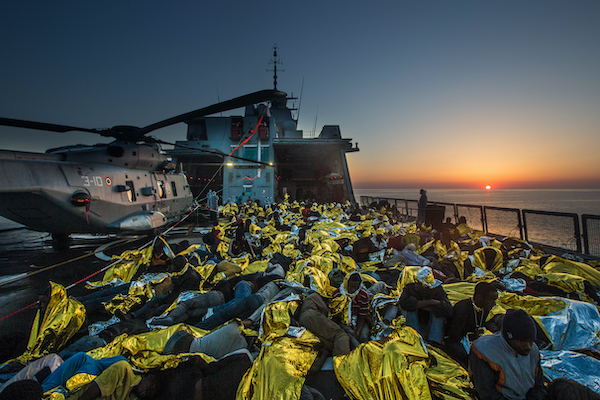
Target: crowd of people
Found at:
181, 320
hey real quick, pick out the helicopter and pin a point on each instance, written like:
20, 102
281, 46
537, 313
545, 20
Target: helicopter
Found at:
127, 185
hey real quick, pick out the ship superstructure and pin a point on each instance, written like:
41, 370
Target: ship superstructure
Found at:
278, 158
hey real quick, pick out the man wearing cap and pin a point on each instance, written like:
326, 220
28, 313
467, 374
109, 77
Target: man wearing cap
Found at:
426, 306
506, 365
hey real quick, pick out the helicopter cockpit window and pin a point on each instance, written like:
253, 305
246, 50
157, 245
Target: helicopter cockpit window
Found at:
131, 191
174, 189
162, 193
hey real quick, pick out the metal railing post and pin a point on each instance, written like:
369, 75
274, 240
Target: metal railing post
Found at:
525, 225
586, 243
577, 233
520, 224
484, 220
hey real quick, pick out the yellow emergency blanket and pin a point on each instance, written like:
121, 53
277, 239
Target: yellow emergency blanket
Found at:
532, 305
136, 296
128, 264
340, 308
528, 267
480, 260
391, 368
559, 264
459, 291
317, 279
447, 379
144, 351
280, 369
50, 332
408, 275
276, 320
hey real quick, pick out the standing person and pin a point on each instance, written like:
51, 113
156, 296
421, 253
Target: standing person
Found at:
422, 207
212, 200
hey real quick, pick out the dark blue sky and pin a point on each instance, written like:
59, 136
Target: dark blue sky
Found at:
444, 93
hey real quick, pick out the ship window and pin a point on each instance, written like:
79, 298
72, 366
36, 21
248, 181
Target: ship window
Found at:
174, 189
250, 152
264, 153
268, 177
197, 130
236, 128
231, 177
162, 193
131, 191
263, 130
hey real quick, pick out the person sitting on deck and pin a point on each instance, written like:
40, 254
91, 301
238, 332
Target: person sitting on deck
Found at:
506, 365
426, 306
353, 288
362, 248
469, 319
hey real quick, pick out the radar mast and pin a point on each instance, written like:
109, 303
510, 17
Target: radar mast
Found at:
275, 61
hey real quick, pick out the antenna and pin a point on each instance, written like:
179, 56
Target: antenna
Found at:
275, 61
300, 102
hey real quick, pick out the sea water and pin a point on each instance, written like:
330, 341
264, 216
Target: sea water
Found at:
557, 231
569, 201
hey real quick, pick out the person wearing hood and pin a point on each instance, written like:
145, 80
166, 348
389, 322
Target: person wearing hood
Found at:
358, 309
426, 306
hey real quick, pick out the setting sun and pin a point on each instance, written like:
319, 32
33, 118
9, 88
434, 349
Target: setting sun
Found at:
488, 187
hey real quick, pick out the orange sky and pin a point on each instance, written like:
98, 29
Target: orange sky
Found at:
470, 143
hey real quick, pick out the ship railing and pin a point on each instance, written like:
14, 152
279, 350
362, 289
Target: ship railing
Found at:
552, 229
591, 233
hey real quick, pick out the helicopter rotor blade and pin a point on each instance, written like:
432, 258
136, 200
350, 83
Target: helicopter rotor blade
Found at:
131, 133
242, 101
19, 123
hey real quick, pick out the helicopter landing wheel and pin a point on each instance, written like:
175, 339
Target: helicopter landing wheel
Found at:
61, 241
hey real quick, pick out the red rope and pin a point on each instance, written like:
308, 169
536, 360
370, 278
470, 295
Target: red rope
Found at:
18, 311
252, 131
251, 179
85, 279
